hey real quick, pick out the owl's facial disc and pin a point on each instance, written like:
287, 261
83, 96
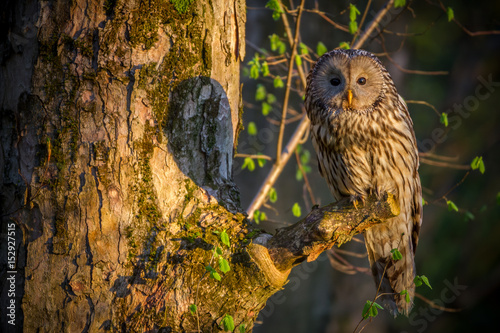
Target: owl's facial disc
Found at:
365, 83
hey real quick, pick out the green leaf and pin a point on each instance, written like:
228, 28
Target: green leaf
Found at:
228, 323
263, 216
396, 255
418, 281
275, 6
275, 40
256, 216
246, 71
371, 309
241, 328
276, 15
260, 93
469, 216
271, 98
321, 49
298, 60
266, 108
224, 237
421, 279
303, 48
265, 68
282, 48
278, 82
407, 296
305, 157
254, 72
444, 119
399, 3
224, 265
353, 27
248, 163
298, 175
451, 206
481, 166
192, 309
261, 162
344, 45
424, 202
353, 12
425, 280
252, 128
214, 275
273, 196
296, 210
478, 163
450, 14
218, 250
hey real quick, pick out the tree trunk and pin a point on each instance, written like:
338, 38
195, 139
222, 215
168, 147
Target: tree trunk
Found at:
118, 122
104, 211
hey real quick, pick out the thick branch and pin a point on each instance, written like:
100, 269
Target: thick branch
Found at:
335, 223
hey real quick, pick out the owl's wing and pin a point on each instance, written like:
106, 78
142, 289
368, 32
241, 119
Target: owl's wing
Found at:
416, 208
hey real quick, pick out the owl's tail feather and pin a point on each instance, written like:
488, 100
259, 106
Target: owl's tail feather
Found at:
394, 278
388, 296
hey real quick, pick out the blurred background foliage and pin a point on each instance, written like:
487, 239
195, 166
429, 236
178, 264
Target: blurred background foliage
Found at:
459, 251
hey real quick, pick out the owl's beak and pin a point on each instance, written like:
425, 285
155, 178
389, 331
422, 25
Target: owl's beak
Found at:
349, 97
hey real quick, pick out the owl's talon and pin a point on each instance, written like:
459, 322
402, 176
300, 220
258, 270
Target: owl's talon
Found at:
355, 203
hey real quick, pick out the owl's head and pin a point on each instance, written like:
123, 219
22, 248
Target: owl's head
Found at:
352, 80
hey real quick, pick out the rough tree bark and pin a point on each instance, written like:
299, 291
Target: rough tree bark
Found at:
118, 124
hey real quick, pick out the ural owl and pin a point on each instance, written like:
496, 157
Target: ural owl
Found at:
365, 144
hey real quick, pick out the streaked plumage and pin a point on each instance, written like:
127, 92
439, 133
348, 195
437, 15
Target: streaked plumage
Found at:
365, 144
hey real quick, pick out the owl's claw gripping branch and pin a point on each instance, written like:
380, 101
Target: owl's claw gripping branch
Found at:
324, 227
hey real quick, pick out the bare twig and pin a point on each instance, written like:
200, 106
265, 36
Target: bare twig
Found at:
351, 253
306, 180
445, 164
373, 25
293, 119
443, 197
439, 157
288, 83
377, 295
289, 34
271, 178
411, 71
347, 264
362, 21
435, 305
255, 156
327, 19
467, 31
424, 103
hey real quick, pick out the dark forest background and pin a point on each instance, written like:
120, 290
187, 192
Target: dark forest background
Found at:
458, 251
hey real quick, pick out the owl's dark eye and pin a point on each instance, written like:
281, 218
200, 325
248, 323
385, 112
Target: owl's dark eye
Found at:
361, 81
335, 81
